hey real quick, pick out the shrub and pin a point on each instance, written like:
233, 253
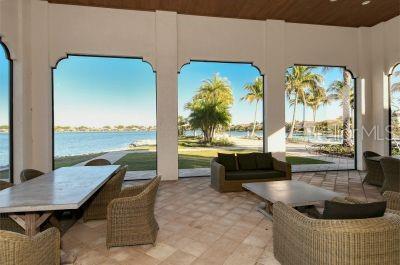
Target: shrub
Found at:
334, 149
222, 142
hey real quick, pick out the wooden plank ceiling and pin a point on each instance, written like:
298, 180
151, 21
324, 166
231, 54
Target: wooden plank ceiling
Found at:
348, 13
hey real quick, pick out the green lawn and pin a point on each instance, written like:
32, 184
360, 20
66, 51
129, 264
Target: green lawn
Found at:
297, 160
67, 161
194, 159
5, 175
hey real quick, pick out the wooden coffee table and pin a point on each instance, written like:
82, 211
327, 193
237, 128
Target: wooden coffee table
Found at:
297, 194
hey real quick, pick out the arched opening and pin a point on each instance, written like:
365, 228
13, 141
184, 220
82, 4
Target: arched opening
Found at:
6, 140
220, 110
105, 107
320, 118
394, 111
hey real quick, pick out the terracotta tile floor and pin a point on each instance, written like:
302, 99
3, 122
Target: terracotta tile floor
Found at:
201, 226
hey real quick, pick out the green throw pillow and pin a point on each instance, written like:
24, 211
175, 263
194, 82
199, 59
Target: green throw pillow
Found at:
264, 161
247, 161
228, 161
338, 210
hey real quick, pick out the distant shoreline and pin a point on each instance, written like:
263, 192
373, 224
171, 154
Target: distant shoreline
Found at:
105, 131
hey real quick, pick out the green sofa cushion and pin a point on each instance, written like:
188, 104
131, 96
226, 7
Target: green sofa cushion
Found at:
264, 160
228, 161
247, 161
253, 174
338, 210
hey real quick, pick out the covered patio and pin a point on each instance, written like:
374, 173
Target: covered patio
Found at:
236, 203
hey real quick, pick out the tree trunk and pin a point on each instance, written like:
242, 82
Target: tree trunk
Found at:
346, 110
314, 117
255, 120
294, 118
304, 115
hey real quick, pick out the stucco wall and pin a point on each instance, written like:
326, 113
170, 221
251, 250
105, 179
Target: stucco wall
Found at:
385, 54
39, 34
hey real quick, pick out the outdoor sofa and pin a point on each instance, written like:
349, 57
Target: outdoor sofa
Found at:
224, 180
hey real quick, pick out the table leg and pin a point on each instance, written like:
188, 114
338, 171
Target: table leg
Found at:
30, 221
30, 224
266, 209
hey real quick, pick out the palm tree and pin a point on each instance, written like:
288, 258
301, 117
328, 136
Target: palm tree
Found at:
297, 80
182, 125
210, 107
343, 92
315, 98
395, 87
254, 93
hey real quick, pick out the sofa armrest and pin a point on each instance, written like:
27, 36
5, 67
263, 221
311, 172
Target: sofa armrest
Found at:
217, 174
283, 166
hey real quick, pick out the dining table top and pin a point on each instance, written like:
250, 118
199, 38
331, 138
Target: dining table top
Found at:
65, 188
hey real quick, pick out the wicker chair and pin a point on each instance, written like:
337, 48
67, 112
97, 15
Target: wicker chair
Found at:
374, 170
28, 174
300, 240
97, 207
391, 171
130, 218
393, 200
98, 162
6, 223
42, 249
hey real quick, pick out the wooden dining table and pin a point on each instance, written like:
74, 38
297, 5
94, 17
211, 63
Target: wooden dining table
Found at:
32, 202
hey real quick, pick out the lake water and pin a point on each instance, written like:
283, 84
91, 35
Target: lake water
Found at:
4, 149
78, 143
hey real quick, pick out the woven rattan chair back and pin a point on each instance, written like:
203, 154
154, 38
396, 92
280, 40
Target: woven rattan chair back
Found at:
131, 219
98, 162
5, 185
42, 249
97, 207
367, 154
391, 171
6, 223
28, 174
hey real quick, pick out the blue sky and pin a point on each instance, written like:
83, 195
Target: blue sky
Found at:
395, 96
4, 87
96, 91
329, 112
192, 76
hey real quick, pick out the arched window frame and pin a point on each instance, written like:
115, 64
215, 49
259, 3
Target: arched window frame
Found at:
10, 106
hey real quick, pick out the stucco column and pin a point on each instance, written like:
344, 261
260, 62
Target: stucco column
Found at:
379, 85
15, 34
363, 97
167, 94
275, 89
41, 88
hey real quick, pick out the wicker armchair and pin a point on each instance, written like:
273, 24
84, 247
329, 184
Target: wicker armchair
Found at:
98, 162
28, 174
6, 223
300, 240
393, 200
42, 249
391, 171
130, 218
374, 170
97, 207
